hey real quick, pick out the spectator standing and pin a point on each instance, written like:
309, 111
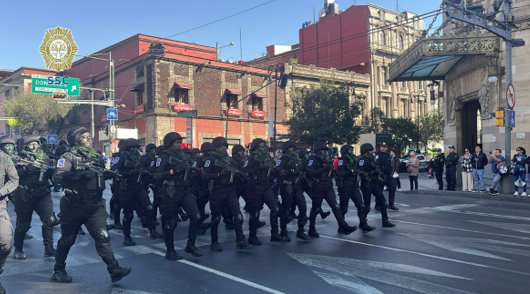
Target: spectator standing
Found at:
467, 171
494, 159
414, 164
451, 161
395, 168
438, 168
479, 161
520, 159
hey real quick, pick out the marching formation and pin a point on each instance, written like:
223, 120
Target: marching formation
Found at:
183, 181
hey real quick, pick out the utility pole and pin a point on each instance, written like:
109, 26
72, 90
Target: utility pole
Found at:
275, 108
92, 123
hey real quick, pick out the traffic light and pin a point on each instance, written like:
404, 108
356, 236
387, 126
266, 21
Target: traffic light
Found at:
284, 78
106, 130
60, 95
499, 118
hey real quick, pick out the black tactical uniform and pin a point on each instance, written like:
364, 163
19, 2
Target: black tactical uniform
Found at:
8, 184
63, 145
132, 190
81, 171
291, 189
33, 194
384, 162
348, 187
438, 167
320, 169
220, 175
176, 193
261, 169
451, 161
114, 203
368, 170
202, 197
147, 162
239, 161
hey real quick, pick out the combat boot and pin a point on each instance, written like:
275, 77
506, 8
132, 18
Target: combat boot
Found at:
28, 237
190, 248
241, 244
128, 241
285, 236
254, 240
340, 230
365, 227
323, 215
81, 232
300, 234
387, 223
19, 254
117, 224
348, 229
59, 273
275, 236
173, 255
49, 251
261, 224
215, 246
313, 232
153, 234
117, 272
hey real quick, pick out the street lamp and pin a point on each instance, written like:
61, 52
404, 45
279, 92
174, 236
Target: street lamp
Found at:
218, 49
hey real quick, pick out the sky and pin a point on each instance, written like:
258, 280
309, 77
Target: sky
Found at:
97, 24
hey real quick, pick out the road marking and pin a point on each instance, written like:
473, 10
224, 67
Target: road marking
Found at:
522, 218
506, 226
393, 274
116, 290
428, 255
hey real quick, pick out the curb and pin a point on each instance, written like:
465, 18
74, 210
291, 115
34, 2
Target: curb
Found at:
474, 195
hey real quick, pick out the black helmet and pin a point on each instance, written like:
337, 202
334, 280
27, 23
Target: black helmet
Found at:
120, 144
29, 139
219, 141
206, 147
169, 138
302, 153
195, 151
159, 149
287, 145
43, 140
344, 149
366, 147
74, 134
255, 143
319, 146
149, 147
186, 150
130, 143
237, 148
6, 140
63, 142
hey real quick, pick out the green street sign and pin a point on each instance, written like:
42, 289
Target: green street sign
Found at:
187, 113
52, 84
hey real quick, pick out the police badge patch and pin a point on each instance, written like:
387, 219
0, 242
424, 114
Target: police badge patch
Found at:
207, 163
116, 160
158, 162
60, 163
340, 162
361, 162
246, 163
278, 162
152, 163
310, 163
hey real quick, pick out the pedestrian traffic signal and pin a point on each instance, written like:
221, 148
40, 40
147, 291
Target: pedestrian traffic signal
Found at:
60, 95
499, 118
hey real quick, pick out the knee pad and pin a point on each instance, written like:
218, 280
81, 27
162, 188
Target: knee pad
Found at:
66, 240
5, 249
239, 218
171, 223
23, 227
102, 237
127, 217
195, 217
50, 221
216, 219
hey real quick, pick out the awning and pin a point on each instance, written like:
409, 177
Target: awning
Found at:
432, 59
258, 95
181, 85
137, 88
231, 91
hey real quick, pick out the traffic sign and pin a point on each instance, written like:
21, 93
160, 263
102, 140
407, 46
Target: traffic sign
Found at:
510, 96
113, 129
187, 113
112, 114
54, 84
51, 139
512, 119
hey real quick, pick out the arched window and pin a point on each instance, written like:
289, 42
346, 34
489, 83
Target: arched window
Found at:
382, 38
400, 42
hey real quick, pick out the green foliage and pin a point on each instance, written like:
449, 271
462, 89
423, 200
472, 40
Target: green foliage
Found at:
403, 131
37, 112
323, 114
430, 128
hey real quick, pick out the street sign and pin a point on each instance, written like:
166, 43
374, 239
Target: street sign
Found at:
112, 114
512, 119
51, 139
187, 113
113, 129
189, 126
13, 122
510, 96
54, 84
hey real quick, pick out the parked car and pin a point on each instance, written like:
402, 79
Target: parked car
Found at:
424, 162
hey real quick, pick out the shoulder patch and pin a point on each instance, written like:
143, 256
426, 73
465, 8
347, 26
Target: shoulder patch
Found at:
310, 162
152, 163
60, 163
207, 163
246, 163
278, 162
377, 157
361, 162
340, 162
116, 159
194, 164
158, 162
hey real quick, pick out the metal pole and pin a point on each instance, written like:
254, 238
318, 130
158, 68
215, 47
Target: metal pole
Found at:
275, 107
507, 128
111, 94
92, 123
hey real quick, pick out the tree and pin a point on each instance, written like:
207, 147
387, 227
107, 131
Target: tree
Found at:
37, 112
323, 114
403, 131
430, 127
373, 123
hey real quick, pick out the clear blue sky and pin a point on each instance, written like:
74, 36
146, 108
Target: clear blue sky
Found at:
98, 24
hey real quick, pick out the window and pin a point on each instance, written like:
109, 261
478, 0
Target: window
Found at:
231, 100
382, 38
382, 75
384, 106
6, 94
403, 84
181, 96
257, 103
403, 108
400, 42
139, 98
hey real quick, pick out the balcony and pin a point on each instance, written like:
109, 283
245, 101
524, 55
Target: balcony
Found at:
385, 88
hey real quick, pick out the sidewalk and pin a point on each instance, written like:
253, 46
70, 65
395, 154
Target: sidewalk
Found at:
430, 187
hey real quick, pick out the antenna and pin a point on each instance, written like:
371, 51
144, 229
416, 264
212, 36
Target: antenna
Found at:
397, 5
240, 45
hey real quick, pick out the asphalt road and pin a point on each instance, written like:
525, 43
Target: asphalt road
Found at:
440, 245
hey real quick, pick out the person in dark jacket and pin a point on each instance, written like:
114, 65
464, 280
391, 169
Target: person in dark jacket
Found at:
451, 161
438, 168
479, 160
384, 162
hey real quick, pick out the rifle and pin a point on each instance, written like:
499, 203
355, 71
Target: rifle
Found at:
233, 171
140, 168
182, 163
272, 167
40, 165
91, 165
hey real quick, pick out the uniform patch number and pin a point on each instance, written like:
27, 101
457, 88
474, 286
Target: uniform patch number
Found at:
60, 163
152, 163
194, 164
278, 162
246, 163
158, 162
361, 162
207, 163
310, 163
340, 162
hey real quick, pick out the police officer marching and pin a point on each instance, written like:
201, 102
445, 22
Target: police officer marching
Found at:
451, 161
81, 171
384, 162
